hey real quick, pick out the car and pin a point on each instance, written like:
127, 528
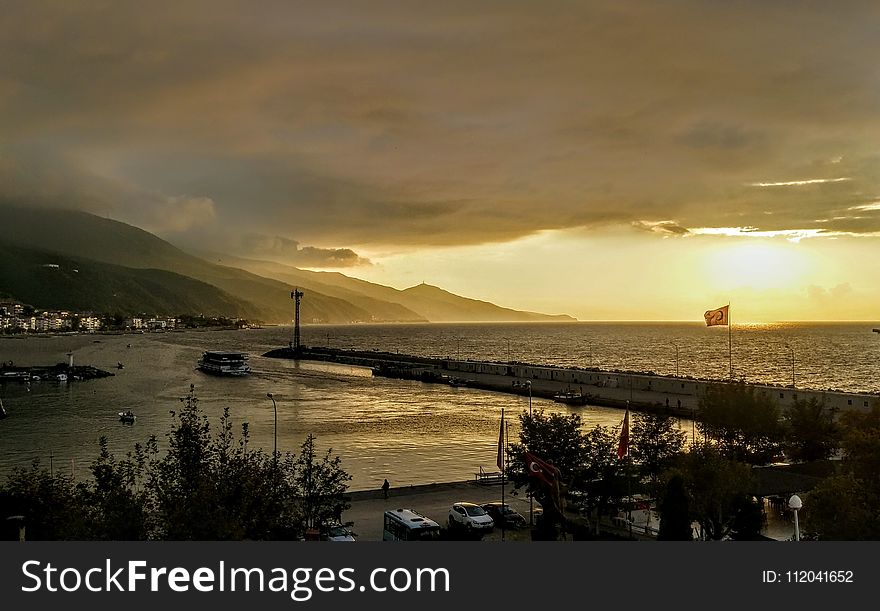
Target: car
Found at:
337, 532
504, 515
471, 517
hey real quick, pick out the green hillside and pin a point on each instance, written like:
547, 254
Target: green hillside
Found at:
79, 234
52, 281
262, 289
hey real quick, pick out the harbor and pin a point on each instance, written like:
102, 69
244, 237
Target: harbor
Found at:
673, 395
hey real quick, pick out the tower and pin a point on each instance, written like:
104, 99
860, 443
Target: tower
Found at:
297, 295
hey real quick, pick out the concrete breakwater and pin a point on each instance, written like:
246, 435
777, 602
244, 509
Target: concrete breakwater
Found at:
62, 372
678, 396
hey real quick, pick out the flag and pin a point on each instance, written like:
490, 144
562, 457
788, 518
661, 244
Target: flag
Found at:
541, 470
548, 475
623, 444
717, 317
501, 443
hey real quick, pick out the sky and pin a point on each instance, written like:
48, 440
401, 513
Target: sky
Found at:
625, 160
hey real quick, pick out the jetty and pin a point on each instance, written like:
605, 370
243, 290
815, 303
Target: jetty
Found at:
673, 395
62, 372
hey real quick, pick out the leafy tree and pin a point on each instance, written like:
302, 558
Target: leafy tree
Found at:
847, 506
811, 431
675, 517
319, 486
49, 503
115, 504
743, 422
716, 486
555, 438
656, 443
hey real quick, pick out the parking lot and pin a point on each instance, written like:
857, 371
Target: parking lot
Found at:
433, 501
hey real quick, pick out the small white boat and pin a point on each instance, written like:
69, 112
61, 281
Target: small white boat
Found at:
127, 417
3, 413
61, 377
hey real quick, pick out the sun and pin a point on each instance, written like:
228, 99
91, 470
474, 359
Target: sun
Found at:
757, 264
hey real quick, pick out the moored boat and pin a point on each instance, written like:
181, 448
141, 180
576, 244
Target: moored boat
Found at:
570, 397
225, 363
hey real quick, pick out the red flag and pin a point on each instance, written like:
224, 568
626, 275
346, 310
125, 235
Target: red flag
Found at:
548, 475
623, 445
721, 316
541, 470
501, 443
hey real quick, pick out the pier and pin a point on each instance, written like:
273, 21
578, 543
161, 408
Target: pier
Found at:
678, 396
62, 372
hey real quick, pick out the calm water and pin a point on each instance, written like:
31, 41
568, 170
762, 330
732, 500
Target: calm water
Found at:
406, 431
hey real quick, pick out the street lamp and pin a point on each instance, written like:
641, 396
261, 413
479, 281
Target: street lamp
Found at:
795, 503
676, 359
275, 409
531, 494
792, 364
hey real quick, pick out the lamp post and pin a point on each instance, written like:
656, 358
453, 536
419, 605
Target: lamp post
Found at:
275, 448
676, 359
792, 364
531, 494
795, 503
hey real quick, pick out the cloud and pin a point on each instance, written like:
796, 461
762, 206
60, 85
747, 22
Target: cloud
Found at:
290, 252
380, 124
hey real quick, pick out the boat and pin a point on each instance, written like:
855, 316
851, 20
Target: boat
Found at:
127, 417
3, 413
570, 397
61, 377
225, 363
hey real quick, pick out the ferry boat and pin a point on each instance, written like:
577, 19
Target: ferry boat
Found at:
221, 363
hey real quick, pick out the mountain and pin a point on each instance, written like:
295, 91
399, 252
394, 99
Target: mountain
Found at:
260, 290
79, 234
54, 281
424, 301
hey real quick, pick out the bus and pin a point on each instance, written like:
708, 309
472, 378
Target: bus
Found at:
409, 525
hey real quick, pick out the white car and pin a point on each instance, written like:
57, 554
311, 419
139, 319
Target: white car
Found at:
471, 517
338, 533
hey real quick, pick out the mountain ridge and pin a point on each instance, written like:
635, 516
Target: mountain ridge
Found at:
332, 297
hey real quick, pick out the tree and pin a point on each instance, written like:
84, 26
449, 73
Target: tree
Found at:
319, 486
847, 506
811, 431
656, 443
49, 503
558, 440
115, 504
743, 422
675, 517
716, 486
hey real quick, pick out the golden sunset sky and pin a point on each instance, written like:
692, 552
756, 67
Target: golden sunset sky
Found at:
617, 160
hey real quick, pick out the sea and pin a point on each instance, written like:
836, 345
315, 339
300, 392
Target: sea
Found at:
406, 431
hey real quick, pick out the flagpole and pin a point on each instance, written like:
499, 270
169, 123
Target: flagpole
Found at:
730, 341
502, 475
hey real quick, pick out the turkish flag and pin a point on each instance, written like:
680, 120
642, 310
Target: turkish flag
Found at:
500, 460
623, 445
541, 469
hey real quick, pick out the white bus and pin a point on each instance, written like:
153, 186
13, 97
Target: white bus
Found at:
409, 525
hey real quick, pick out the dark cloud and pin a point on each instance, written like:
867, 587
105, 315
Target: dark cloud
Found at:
435, 123
290, 252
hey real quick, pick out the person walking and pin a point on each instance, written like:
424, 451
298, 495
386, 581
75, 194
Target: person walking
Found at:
385, 487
